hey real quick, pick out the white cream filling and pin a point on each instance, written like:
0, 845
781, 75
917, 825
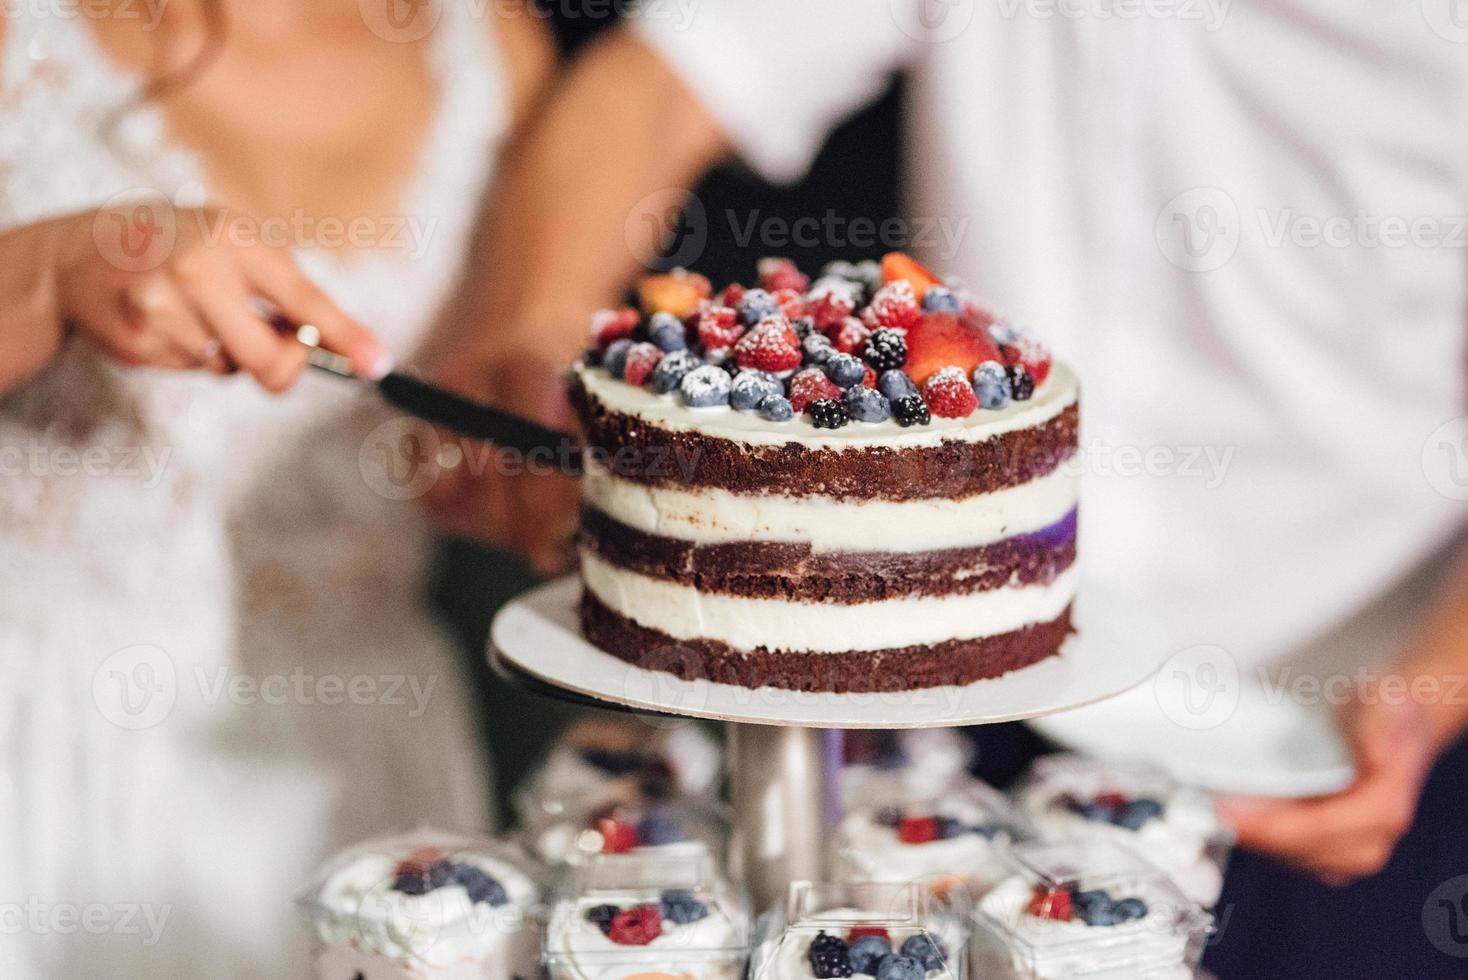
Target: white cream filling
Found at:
684, 613
712, 515
667, 412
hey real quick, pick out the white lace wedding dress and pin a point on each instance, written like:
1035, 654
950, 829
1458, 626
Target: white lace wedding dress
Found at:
215, 661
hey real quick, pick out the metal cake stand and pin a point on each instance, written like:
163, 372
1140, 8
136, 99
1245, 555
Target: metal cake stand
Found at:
784, 748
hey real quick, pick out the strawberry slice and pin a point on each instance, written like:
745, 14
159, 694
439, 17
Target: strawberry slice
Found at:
917, 830
1050, 903
676, 292
943, 339
899, 265
617, 837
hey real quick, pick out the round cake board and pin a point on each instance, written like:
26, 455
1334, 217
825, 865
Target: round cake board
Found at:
1114, 649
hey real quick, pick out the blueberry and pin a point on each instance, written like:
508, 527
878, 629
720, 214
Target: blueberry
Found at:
705, 387
866, 404
1096, 908
660, 827
615, 359
896, 384
602, 915
752, 387
440, 873
948, 827
479, 884
816, 348
899, 967
991, 384
867, 952
671, 369
845, 369
1130, 909
1135, 814
927, 950
411, 883
777, 408
755, 305
888, 816
1100, 812
940, 299
988, 831
666, 330
681, 907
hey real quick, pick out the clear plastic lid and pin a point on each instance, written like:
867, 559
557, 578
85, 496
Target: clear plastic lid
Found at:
426, 897
841, 929
648, 912
680, 827
1087, 908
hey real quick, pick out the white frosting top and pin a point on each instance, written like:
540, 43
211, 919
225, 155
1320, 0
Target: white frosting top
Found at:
667, 412
870, 851
578, 948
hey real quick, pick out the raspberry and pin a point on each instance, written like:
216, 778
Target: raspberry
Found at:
949, 394
811, 385
789, 302
617, 837
610, 325
861, 932
869, 378
851, 337
895, 305
770, 346
730, 295
777, 274
829, 305
886, 349
636, 926
1050, 903
641, 359
827, 413
718, 328
910, 410
1034, 355
917, 830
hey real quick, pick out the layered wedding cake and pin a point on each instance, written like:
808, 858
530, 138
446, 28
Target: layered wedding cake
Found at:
855, 484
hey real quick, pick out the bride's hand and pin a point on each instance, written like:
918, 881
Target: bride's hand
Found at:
179, 291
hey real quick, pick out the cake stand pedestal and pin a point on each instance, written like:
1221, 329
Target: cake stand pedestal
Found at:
784, 747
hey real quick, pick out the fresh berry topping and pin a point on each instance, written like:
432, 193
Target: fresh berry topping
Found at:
899, 267
803, 326
705, 387
991, 384
940, 299
617, 836
917, 830
1021, 383
636, 926
420, 860
602, 916
676, 292
896, 384
1095, 908
949, 827
776, 274
949, 394
830, 303
615, 359
868, 377
899, 967
659, 827
861, 932
770, 346
790, 302
886, 349
1131, 909
844, 370
810, 385
1050, 903
776, 408
895, 305
827, 413
1034, 355
817, 348
751, 387
641, 359
888, 816
719, 328
942, 339
866, 404
851, 336
423, 871
866, 952
1003, 333
671, 369
1135, 814
681, 907
610, 325
866, 274
910, 410
481, 886
926, 949
667, 331
829, 957
730, 295
755, 305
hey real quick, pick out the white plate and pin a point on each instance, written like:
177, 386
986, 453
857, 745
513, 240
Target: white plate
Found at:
1113, 649
1253, 742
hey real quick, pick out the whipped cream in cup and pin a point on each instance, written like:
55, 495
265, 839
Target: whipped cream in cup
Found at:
1086, 908
648, 916
1173, 825
855, 925
425, 905
677, 828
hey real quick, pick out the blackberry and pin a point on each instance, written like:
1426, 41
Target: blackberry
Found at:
827, 413
1021, 383
602, 915
829, 957
886, 349
910, 410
